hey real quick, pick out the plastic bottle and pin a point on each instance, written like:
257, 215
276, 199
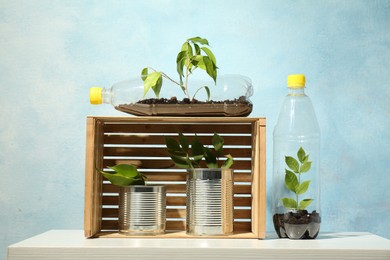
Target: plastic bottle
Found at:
128, 96
296, 135
124, 92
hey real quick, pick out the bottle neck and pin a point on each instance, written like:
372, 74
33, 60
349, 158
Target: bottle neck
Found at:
106, 95
296, 91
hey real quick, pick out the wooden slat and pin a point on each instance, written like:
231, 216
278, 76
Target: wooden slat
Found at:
178, 201
183, 120
176, 213
181, 176
110, 224
176, 128
179, 188
242, 226
163, 163
163, 152
177, 225
160, 140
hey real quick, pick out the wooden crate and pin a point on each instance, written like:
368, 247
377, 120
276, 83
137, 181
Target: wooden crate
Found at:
141, 141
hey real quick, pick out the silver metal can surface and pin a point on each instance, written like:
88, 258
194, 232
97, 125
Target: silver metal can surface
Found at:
142, 210
209, 201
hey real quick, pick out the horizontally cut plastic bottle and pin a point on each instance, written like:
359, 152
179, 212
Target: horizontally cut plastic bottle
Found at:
128, 96
296, 165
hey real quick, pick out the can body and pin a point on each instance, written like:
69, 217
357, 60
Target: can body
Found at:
209, 201
142, 210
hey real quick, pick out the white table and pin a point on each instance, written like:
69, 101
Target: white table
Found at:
71, 245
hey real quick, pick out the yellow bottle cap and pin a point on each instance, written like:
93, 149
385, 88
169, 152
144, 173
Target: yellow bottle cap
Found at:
296, 81
95, 95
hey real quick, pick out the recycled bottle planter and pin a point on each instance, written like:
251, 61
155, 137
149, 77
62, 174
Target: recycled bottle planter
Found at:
296, 166
209, 201
142, 210
228, 97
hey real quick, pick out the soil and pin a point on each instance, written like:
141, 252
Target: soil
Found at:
174, 100
297, 225
239, 107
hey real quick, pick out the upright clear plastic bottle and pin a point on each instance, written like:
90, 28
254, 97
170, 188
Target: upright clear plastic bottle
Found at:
296, 165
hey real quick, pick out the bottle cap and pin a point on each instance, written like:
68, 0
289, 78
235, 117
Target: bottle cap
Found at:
296, 81
95, 95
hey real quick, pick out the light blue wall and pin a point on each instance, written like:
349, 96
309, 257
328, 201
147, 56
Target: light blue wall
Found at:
51, 52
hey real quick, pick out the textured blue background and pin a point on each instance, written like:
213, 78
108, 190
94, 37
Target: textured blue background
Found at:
51, 52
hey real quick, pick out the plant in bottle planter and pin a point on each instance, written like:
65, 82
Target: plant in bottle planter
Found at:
214, 215
194, 54
293, 180
141, 207
298, 222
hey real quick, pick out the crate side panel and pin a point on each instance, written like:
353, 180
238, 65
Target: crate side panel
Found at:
94, 158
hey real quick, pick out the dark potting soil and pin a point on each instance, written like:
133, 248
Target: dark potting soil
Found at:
297, 225
174, 100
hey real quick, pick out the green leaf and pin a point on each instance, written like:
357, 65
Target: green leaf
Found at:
124, 175
301, 154
151, 81
211, 69
207, 92
180, 60
228, 162
157, 88
199, 40
185, 46
291, 181
197, 149
217, 143
289, 203
172, 144
181, 162
126, 170
306, 158
183, 142
210, 54
211, 159
305, 203
305, 167
180, 56
302, 188
292, 163
198, 62
144, 73
197, 49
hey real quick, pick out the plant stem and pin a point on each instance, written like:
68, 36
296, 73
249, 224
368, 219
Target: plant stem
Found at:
187, 74
299, 183
167, 77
